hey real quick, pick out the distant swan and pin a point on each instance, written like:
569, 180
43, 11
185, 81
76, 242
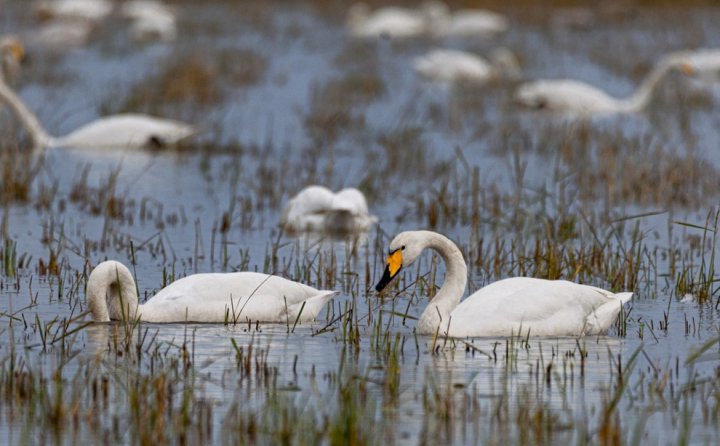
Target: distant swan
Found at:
212, 297
542, 307
391, 21
317, 208
151, 19
90, 10
566, 95
443, 65
123, 131
59, 34
472, 22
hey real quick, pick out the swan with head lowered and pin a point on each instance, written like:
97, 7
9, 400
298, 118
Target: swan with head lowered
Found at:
506, 307
211, 297
575, 97
317, 208
122, 131
449, 65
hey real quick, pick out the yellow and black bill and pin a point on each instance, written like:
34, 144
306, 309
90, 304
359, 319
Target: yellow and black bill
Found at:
393, 265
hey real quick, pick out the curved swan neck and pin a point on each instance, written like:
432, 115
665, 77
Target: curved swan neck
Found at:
38, 134
111, 293
642, 95
437, 313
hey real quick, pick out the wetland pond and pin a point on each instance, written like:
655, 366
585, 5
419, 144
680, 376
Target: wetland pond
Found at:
285, 99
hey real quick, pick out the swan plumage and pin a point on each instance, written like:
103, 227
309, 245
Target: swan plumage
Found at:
60, 34
210, 297
122, 131
576, 97
317, 208
391, 21
90, 10
542, 307
449, 65
150, 19
443, 65
473, 22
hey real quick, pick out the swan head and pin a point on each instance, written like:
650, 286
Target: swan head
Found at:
12, 53
404, 250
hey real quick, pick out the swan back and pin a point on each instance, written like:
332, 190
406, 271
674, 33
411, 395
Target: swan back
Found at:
565, 95
544, 307
126, 131
90, 10
317, 208
475, 22
240, 296
452, 65
111, 292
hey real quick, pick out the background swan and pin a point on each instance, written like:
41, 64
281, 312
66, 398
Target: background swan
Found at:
214, 297
545, 307
150, 20
472, 22
123, 131
90, 10
60, 34
445, 65
317, 208
393, 21
566, 95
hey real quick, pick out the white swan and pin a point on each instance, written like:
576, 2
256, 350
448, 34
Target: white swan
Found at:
151, 19
444, 65
317, 208
123, 131
90, 10
575, 97
391, 21
472, 22
544, 307
60, 34
213, 297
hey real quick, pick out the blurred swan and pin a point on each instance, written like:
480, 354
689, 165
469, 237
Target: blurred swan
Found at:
90, 10
702, 64
567, 95
60, 34
442, 65
150, 20
317, 208
391, 21
472, 22
542, 307
123, 131
214, 297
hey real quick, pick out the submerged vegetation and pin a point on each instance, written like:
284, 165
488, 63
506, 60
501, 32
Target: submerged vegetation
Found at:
626, 204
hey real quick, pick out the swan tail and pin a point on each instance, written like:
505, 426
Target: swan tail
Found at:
312, 306
111, 292
600, 320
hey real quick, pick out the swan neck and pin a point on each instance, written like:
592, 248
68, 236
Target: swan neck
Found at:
437, 313
38, 134
111, 293
642, 95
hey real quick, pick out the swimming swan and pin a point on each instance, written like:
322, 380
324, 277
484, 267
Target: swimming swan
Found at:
212, 297
317, 208
391, 21
566, 95
447, 66
472, 22
123, 131
544, 307
151, 19
90, 10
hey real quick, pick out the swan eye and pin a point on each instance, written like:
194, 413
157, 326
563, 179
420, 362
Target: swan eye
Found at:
402, 247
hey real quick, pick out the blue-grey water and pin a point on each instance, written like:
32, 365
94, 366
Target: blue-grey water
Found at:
258, 149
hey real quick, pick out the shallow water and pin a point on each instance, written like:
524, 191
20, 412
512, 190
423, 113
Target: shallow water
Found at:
410, 147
